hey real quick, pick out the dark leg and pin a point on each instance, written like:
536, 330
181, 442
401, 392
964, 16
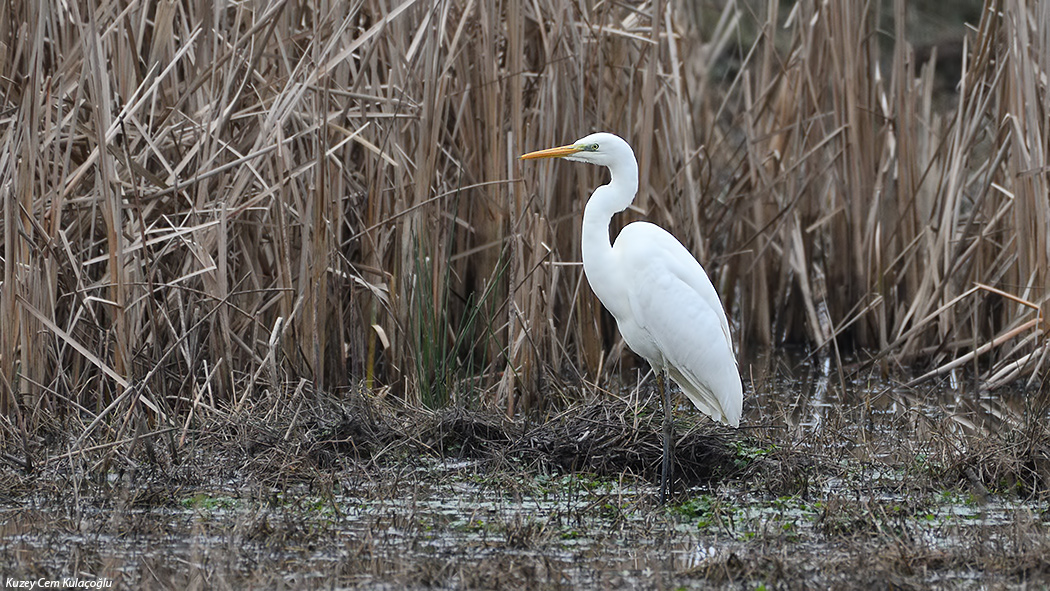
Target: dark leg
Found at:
667, 474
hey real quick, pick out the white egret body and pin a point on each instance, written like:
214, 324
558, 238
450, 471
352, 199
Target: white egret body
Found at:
664, 304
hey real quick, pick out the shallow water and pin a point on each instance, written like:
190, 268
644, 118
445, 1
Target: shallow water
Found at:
850, 484
579, 534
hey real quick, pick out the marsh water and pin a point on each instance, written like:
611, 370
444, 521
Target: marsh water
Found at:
839, 479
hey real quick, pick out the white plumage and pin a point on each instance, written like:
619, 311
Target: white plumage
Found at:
664, 304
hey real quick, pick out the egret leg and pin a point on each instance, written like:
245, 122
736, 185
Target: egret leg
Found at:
667, 473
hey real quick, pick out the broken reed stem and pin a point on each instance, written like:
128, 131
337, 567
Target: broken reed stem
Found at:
291, 169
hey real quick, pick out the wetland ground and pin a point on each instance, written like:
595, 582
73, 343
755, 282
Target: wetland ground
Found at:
884, 487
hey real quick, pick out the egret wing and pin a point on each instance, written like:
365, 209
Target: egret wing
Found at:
673, 302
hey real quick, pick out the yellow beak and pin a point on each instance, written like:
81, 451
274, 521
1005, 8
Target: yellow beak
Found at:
552, 152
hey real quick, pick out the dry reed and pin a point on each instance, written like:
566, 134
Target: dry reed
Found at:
204, 200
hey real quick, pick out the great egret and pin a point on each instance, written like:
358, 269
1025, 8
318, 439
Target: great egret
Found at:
664, 304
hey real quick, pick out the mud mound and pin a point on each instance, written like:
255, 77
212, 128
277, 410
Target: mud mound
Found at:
607, 437
458, 432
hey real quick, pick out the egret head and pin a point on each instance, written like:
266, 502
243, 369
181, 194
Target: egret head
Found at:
604, 149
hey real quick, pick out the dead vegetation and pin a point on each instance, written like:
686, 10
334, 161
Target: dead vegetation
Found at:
281, 252
202, 204
345, 491
607, 438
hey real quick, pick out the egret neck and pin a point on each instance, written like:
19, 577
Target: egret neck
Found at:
599, 261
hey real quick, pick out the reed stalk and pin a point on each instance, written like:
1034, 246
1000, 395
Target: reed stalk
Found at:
202, 202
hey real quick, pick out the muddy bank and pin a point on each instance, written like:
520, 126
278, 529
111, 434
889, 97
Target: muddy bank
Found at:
890, 491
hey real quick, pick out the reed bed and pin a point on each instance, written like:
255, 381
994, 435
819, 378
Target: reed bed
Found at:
203, 202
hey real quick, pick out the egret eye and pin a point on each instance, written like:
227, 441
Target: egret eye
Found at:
594, 147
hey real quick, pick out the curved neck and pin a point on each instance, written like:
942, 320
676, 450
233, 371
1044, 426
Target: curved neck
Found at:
606, 201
